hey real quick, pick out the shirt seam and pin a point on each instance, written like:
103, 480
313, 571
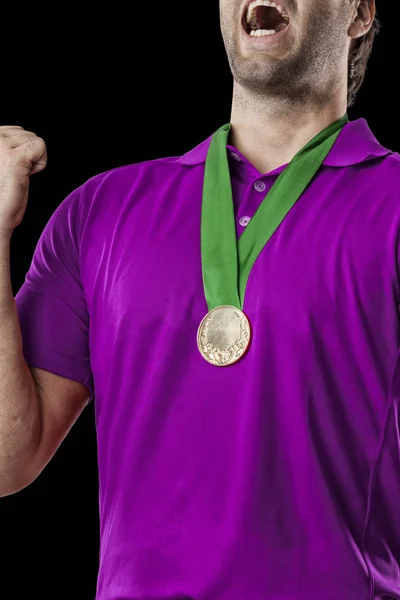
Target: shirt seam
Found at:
372, 481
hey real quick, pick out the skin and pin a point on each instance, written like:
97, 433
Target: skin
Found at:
288, 90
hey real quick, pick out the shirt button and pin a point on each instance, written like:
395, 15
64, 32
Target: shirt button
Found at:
244, 221
259, 186
236, 156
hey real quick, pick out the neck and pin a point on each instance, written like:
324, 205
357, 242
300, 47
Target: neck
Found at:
269, 134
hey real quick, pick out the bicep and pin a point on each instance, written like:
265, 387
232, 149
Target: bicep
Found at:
62, 402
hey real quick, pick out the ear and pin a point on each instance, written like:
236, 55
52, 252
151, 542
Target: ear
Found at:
363, 17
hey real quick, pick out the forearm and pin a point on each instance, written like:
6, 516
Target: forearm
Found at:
20, 411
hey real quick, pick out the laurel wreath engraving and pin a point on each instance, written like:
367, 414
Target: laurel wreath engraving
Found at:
223, 357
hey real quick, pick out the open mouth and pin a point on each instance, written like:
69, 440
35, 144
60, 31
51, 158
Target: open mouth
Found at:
264, 18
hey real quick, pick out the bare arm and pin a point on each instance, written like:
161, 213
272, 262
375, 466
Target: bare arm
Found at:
20, 412
37, 408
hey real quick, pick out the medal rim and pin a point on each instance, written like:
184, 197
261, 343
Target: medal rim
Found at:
199, 331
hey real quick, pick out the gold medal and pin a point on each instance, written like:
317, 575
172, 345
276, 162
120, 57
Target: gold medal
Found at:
224, 335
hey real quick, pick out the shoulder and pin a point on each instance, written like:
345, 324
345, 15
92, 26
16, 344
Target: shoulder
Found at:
127, 174
145, 172
387, 172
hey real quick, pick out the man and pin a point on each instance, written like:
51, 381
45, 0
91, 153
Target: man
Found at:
242, 352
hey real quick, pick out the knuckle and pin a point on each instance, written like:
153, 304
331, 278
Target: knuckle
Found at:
33, 141
26, 146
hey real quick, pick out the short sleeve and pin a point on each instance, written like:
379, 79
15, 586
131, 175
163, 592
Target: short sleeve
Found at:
51, 305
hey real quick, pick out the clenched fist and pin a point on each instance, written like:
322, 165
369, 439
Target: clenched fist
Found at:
22, 153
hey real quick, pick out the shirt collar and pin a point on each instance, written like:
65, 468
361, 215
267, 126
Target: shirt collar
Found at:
356, 144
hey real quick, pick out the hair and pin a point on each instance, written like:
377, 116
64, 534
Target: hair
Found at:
360, 51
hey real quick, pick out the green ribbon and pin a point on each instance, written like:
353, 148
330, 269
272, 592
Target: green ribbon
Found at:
226, 261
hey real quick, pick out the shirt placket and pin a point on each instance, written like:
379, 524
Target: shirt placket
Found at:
249, 189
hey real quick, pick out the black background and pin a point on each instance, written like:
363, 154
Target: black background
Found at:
105, 88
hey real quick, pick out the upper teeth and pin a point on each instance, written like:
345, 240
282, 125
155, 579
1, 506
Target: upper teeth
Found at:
255, 3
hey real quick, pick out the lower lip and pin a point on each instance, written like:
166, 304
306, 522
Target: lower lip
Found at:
264, 40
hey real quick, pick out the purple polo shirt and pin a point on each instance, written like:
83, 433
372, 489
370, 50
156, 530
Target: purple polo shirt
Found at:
277, 478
